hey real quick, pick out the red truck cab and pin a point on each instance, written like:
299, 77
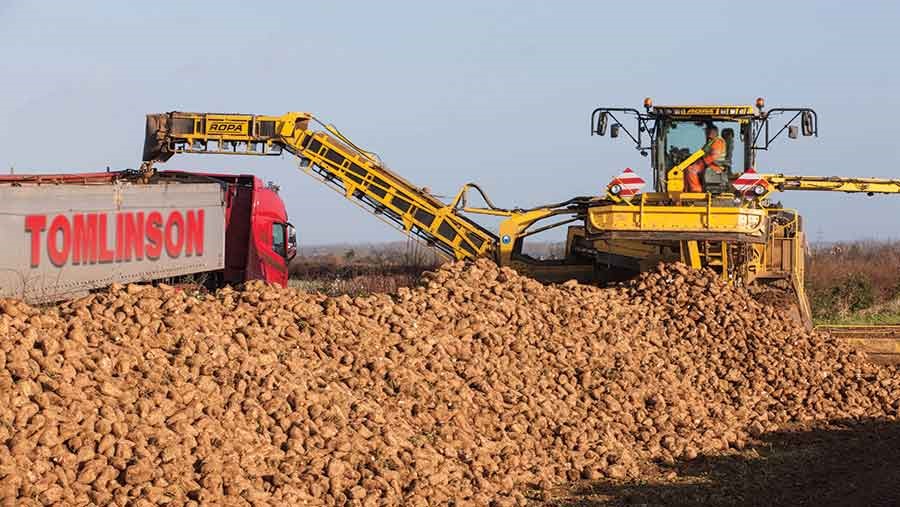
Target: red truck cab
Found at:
259, 240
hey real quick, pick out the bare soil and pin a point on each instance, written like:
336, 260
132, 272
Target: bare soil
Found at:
839, 463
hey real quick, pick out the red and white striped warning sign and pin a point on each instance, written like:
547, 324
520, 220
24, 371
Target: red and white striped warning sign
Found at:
750, 183
626, 185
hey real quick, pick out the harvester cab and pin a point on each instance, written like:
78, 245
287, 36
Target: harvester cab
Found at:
679, 138
709, 208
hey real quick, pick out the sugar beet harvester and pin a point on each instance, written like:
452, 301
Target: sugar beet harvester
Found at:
731, 226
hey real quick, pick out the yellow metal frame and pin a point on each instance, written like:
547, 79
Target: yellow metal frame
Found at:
779, 231
781, 182
334, 159
696, 214
635, 249
675, 176
356, 173
797, 274
690, 254
715, 111
515, 225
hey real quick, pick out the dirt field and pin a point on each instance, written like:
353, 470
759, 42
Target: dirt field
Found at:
841, 463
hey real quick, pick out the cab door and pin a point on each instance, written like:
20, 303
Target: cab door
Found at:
283, 248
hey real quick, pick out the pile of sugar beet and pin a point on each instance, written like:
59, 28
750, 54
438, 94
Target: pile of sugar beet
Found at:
479, 387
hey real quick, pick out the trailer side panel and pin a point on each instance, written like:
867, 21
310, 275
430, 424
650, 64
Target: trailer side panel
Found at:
60, 241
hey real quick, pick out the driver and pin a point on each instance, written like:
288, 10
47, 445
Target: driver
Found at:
713, 158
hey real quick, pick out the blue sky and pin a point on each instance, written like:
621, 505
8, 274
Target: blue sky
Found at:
493, 92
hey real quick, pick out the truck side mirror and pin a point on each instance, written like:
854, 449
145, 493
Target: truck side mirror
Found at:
792, 132
614, 130
291, 242
601, 124
806, 122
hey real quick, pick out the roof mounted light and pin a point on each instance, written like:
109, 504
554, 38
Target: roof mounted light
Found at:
760, 103
615, 189
648, 103
759, 189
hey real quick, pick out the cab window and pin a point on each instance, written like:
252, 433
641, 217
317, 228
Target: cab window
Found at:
683, 138
278, 240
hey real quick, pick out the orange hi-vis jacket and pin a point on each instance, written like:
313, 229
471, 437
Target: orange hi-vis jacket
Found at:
715, 153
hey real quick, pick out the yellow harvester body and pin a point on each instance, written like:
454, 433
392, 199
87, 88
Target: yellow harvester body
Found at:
733, 229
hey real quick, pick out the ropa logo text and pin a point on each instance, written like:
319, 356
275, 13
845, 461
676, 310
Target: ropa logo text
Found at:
227, 127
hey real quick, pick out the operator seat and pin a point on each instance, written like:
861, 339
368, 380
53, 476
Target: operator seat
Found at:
718, 182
